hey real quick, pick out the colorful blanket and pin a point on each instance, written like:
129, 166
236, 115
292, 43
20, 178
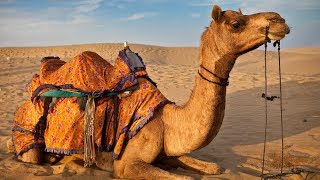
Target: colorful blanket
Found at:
87, 74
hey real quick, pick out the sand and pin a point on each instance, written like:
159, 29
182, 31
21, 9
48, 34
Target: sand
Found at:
238, 146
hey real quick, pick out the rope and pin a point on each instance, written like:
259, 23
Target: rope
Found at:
281, 117
265, 100
89, 156
291, 172
265, 96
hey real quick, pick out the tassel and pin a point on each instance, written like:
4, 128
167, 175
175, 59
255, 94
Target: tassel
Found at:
89, 147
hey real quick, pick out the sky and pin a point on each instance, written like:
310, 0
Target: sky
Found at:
154, 22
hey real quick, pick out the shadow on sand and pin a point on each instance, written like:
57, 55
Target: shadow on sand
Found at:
245, 121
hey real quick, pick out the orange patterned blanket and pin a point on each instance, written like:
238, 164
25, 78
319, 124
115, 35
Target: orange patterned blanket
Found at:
87, 73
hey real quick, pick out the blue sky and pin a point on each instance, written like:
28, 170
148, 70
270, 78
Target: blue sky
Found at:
156, 22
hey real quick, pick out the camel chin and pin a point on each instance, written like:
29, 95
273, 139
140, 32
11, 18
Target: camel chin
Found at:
276, 36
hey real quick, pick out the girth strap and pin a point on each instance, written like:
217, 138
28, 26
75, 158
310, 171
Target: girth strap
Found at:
115, 118
42, 123
86, 102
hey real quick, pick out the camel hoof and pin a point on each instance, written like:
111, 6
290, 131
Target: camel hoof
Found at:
52, 158
34, 156
10, 146
188, 178
104, 161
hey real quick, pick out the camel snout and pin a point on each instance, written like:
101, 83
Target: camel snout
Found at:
277, 20
275, 17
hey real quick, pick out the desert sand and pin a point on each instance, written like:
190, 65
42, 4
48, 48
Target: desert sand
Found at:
239, 145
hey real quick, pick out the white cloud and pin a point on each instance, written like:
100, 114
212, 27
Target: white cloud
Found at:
87, 6
81, 13
252, 6
138, 16
81, 19
258, 6
120, 4
212, 2
195, 15
54, 25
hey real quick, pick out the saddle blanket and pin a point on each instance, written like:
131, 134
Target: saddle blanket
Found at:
88, 73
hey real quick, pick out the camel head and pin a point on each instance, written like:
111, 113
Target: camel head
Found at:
235, 33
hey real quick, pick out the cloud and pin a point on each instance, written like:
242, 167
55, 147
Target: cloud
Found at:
81, 13
138, 16
211, 3
258, 6
73, 22
252, 6
195, 15
120, 4
2, 2
81, 19
54, 25
87, 6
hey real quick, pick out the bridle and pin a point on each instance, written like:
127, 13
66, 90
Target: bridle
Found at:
224, 82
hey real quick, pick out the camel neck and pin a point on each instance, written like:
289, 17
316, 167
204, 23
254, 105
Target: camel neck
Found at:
214, 56
195, 124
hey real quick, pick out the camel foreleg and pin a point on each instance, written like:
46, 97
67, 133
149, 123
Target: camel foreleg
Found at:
139, 154
193, 164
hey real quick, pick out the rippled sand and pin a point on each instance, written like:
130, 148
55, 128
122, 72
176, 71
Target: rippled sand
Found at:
239, 144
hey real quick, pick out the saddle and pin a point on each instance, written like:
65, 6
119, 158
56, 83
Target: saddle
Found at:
86, 105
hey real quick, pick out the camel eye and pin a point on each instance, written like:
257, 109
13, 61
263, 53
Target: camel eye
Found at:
235, 25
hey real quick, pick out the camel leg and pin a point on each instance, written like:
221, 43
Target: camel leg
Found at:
52, 158
140, 152
104, 161
10, 146
34, 155
190, 163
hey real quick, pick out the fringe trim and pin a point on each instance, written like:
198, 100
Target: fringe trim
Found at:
146, 120
64, 151
137, 129
115, 156
131, 78
47, 58
20, 129
31, 146
89, 156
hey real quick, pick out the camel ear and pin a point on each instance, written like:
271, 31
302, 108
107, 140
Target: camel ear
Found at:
239, 11
216, 13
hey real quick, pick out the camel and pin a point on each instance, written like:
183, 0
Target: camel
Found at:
175, 130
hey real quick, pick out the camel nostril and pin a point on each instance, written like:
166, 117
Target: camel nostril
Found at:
277, 20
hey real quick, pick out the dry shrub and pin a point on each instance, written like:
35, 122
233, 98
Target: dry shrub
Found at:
288, 160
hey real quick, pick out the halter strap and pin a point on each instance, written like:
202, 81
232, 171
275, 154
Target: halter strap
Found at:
224, 82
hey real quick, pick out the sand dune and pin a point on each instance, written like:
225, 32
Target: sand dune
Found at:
238, 146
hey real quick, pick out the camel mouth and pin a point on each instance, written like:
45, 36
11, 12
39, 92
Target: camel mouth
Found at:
278, 31
276, 35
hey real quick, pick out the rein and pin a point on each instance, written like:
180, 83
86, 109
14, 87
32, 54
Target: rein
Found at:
224, 82
297, 171
267, 98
